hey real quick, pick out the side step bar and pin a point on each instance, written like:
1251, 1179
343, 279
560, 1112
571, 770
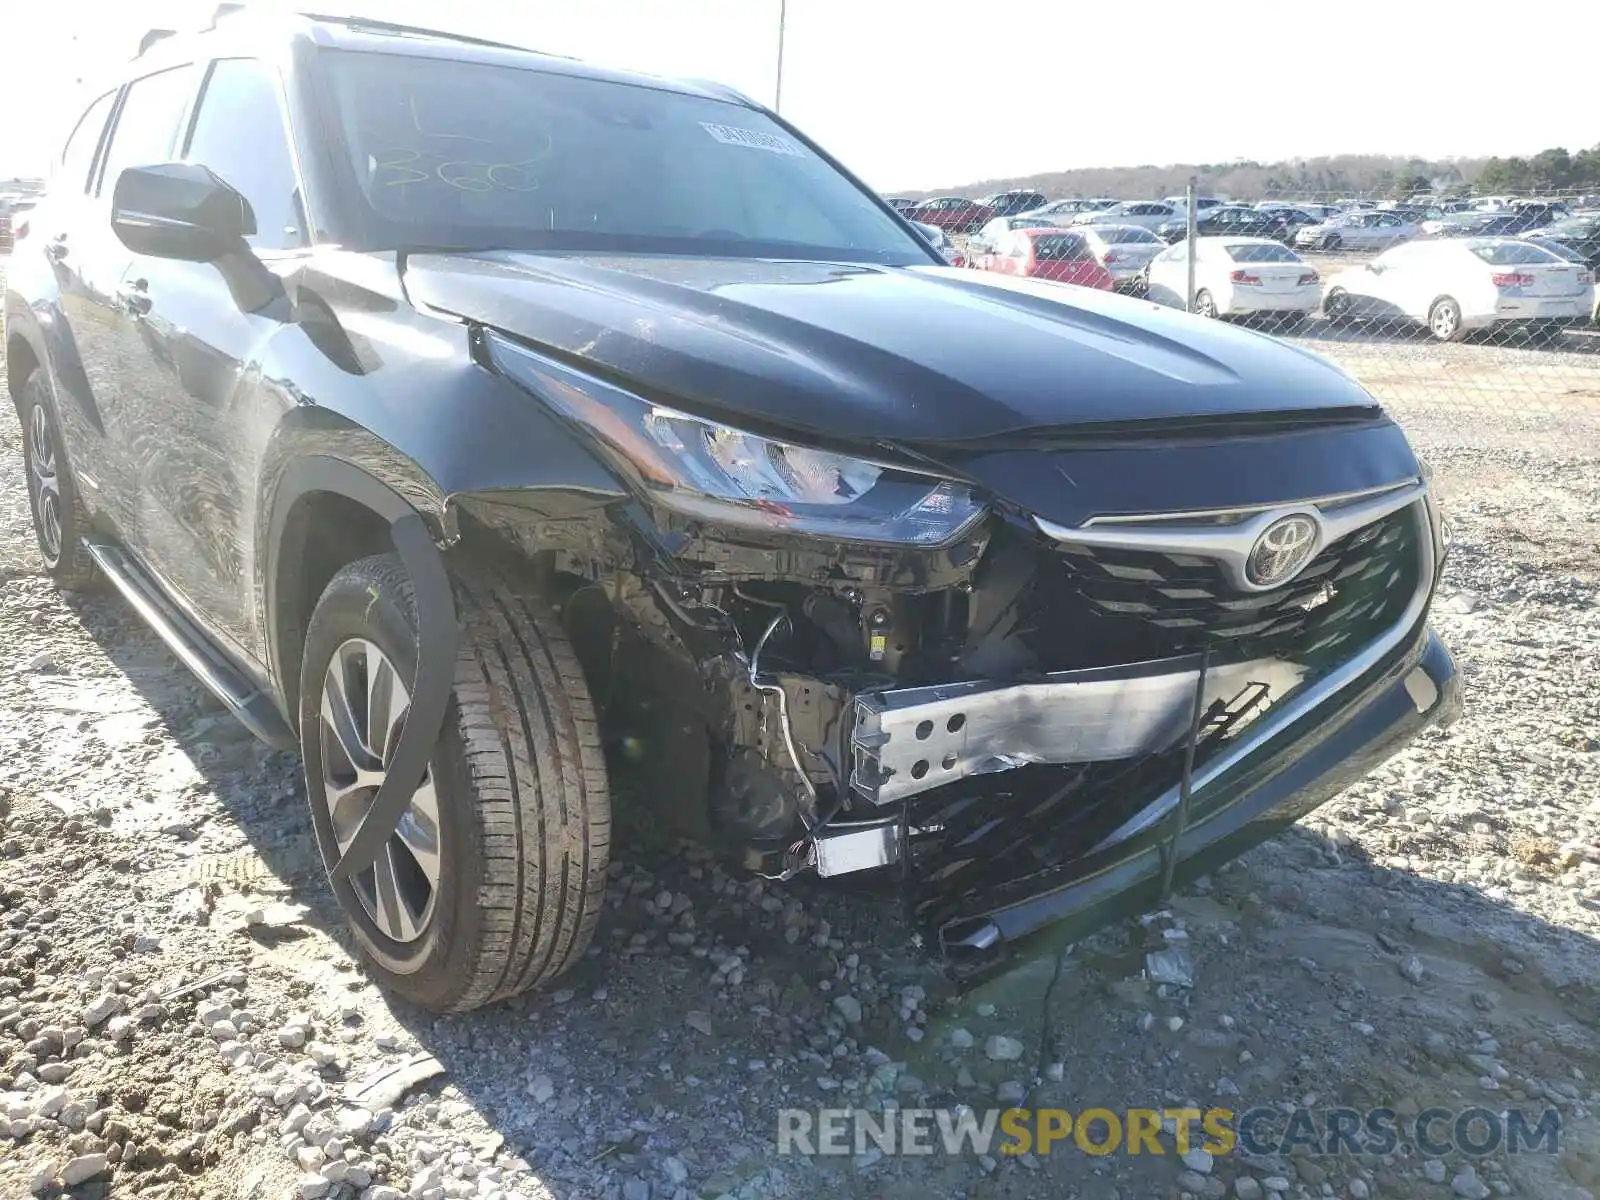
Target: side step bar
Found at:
253, 707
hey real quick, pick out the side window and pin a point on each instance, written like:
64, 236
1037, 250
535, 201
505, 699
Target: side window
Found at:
239, 134
78, 154
146, 131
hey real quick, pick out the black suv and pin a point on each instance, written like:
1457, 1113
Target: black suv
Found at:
508, 434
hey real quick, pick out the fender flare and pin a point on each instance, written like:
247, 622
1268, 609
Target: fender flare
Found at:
436, 637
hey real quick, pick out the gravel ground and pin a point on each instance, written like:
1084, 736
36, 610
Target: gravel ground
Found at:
180, 1015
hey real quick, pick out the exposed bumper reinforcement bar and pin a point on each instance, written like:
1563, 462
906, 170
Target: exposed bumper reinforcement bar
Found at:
909, 740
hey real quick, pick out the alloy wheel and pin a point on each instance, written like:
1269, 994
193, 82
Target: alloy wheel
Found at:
364, 706
1445, 320
45, 483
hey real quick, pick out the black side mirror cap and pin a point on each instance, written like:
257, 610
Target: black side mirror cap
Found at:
181, 211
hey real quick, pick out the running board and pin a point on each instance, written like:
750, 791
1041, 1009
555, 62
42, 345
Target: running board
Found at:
253, 707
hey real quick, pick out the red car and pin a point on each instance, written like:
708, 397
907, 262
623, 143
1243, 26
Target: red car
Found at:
956, 214
1049, 253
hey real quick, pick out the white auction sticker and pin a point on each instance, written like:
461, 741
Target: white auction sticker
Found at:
732, 135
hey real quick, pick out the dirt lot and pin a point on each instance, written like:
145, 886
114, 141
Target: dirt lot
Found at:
180, 1015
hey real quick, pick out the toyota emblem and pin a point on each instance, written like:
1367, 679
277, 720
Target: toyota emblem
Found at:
1283, 548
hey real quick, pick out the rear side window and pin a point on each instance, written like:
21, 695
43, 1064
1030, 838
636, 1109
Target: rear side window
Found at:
1123, 234
78, 154
1508, 254
146, 132
239, 134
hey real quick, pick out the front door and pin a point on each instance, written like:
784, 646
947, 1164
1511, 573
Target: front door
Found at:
188, 329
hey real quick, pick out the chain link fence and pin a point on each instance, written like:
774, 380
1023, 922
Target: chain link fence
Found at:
1448, 308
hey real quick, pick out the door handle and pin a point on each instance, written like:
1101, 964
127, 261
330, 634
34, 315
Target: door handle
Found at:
134, 297
56, 248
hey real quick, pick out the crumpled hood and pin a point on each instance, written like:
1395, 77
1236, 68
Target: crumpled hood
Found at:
877, 354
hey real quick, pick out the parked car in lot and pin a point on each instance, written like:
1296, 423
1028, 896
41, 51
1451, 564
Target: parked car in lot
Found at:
1503, 223
1455, 286
1147, 213
700, 475
1237, 277
1578, 234
1201, 203
940, 240
1020, 200
990, 236
954, 214
901, 204
1228, 220
1061, 212
1124, 251
1356, 231
1059, 255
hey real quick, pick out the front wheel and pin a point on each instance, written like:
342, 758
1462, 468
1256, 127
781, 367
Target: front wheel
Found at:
1336, 306
1332, 242
59, 517
1444, 320
492, 882
1204, 304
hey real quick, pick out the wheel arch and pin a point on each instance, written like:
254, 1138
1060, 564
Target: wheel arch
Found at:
314, 479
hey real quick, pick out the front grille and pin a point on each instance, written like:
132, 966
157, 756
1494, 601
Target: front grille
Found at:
1139, 604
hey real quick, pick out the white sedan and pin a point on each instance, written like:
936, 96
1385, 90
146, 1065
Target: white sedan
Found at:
1237, 276
1357, 231
1455, 285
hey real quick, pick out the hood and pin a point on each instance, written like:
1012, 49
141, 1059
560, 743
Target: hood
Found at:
880, 354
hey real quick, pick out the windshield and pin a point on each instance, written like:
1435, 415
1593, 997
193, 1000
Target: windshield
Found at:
472, 154
1059, 247
1257, 252
1509, 254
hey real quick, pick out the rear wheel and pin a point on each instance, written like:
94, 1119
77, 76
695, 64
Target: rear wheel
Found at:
492, 882
1204, 304
59, 517
1336, 306
1444, 320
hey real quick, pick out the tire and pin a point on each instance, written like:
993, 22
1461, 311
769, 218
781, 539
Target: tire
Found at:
1444, 320
1332, 242
1204, 305
59, 517
1336, 306
504, 892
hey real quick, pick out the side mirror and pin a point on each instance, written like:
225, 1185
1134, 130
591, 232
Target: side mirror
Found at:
179, 210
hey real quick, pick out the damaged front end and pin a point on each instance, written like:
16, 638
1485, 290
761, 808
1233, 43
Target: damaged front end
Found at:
1020, 720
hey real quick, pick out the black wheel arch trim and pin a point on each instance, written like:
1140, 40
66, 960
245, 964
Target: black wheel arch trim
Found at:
436, 636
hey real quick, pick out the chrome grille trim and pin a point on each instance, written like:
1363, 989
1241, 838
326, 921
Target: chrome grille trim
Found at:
1230, 544
1297, 706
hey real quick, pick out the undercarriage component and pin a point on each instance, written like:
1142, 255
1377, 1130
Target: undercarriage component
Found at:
910, 740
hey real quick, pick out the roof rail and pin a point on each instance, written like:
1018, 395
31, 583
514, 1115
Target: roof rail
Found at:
151, 37
358, 22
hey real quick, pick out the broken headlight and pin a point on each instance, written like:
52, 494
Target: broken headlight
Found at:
705, 469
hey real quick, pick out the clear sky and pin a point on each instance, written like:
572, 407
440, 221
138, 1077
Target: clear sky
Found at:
914, 95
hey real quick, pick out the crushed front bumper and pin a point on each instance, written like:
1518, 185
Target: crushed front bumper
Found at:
1290, 763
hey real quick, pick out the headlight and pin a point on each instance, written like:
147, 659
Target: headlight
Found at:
705, 469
